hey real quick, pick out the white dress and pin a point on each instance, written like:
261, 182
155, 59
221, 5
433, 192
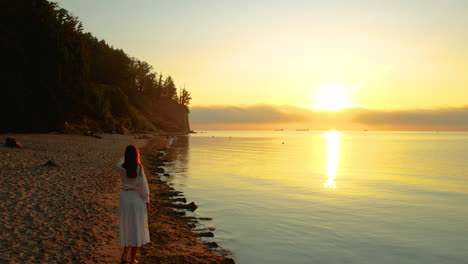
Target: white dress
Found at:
133, 222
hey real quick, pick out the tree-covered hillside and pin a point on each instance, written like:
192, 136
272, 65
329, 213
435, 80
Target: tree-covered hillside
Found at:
56, 76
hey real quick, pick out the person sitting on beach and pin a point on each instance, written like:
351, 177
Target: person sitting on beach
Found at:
133, 204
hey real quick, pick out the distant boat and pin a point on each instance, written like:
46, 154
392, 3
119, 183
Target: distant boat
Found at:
279, 129
302, 129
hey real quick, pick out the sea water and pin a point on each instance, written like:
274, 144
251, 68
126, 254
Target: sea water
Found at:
329, 197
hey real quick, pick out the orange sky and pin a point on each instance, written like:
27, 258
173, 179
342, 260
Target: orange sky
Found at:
408, 55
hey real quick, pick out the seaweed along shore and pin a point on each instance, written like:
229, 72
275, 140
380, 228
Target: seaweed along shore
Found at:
174, 237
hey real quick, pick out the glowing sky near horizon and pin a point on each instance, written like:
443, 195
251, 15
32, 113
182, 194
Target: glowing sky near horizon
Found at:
408, 54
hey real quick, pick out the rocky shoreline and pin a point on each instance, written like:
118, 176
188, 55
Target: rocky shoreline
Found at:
175, 238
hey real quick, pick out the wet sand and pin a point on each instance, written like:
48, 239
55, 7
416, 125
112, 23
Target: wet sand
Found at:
69, 214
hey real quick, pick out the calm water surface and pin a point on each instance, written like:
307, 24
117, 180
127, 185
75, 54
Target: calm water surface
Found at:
311, 197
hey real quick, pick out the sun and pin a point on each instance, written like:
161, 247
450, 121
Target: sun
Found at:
332, 96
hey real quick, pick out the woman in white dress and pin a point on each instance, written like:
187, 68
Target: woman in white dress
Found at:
133, 204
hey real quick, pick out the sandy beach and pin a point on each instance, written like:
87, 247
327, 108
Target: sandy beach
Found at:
69, 213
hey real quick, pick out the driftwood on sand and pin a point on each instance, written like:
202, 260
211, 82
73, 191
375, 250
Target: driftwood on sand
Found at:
12, 143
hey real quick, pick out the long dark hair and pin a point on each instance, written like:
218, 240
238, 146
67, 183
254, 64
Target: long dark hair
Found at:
131, 161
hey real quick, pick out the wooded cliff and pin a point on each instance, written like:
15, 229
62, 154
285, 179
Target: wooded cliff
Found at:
57, 77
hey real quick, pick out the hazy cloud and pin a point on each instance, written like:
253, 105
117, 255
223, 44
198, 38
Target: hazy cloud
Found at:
437, 119
248, 114
440, 117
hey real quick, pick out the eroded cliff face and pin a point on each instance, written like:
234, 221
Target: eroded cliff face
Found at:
172, 117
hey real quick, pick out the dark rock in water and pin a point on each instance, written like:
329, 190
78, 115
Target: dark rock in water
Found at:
204, 218
99, 137
167, 174
228, 261
212, 244
13, 143
171, 193
179, 200
51, 163
191, 206
205, 234
205, 229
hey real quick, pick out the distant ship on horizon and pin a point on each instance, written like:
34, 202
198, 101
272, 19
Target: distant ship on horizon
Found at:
302, 129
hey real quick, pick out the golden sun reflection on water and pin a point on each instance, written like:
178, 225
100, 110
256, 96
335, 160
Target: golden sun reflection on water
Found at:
333, 155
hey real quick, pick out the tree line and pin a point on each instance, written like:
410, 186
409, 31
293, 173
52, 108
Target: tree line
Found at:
56, 75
